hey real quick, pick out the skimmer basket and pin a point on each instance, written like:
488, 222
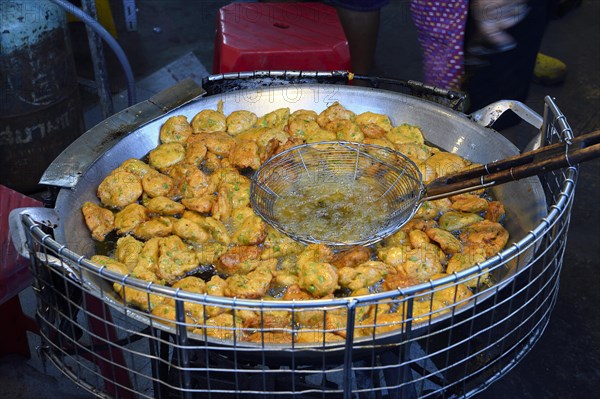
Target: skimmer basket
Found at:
375, 190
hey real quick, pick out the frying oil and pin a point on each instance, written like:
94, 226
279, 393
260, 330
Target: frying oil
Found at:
341, 210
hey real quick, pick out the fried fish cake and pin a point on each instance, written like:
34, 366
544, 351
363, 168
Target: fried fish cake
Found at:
100, 221
120, 189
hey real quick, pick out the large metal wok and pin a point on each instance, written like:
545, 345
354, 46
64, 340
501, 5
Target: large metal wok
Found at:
475, 342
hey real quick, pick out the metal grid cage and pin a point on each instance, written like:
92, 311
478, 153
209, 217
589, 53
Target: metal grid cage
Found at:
118, 351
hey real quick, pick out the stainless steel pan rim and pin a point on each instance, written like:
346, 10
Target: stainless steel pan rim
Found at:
519, 252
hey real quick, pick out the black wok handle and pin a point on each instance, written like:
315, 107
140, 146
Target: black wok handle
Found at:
233, 81
489, 114
582, 148
450, 98
226, 82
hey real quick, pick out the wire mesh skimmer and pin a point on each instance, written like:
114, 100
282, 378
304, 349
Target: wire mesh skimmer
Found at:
344, 194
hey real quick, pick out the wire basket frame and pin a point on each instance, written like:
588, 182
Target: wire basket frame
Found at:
118, 351
393, 182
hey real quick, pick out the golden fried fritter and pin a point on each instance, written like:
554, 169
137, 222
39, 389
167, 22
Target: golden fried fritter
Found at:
334, 112
208, 121
239, 121
120, 189
165, 156
175, 130
100, 221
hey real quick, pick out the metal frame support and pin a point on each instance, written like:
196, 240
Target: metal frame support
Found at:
98, 61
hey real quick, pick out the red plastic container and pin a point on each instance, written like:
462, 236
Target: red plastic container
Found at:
279, 36
14, 274
14, 277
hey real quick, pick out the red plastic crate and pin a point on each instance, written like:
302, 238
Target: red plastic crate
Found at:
279, 36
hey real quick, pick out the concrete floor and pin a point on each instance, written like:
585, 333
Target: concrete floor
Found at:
565, 363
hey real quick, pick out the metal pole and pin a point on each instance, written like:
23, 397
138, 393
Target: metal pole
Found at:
98, 61
348, 363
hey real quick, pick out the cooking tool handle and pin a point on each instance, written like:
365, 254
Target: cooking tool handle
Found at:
582, 148
18, 233
66, 170
489, 114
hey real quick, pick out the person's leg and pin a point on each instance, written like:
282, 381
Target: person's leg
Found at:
440, 30
361, 29
360, 20
507, 75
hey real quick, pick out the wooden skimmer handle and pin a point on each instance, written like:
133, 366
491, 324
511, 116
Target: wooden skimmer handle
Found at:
582, 148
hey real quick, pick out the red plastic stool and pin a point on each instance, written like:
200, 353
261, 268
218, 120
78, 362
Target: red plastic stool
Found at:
14, 278
279, 36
